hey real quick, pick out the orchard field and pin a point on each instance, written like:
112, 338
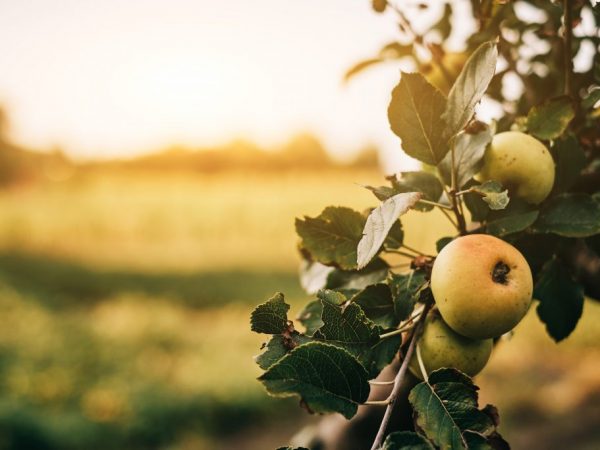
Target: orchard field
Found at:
124, 315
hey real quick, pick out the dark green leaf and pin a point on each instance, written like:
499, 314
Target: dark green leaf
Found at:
278, 347
406, 440
469, 87
415, 114
550, 119
382, 192
395, 237
441, 243
561, 299
570, 161
270, 317
380, 222
332, 237
446, 406
376, 302
327, 378
310, 317
375, 272
476, 441
404, 288
424, 182
468, 155
383, 353
518, 216
493, 194
474, 202
570, 215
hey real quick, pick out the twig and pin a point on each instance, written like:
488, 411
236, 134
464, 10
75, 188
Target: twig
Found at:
400, 252
439, 205
568, 50
398, 382
420, 253
381, 383
377, 402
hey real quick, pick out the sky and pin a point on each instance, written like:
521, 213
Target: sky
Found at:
114, 78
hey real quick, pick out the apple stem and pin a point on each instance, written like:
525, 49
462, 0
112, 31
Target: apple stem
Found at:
421, 364
398, 380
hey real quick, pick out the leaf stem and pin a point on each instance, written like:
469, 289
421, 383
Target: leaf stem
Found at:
449, 217
568, 50
439, 205
414, 250
398, 381
381, 383
377, 402
400, 252
460, 218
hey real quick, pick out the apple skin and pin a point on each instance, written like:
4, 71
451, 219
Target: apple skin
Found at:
482, 286
442, 347
521, 163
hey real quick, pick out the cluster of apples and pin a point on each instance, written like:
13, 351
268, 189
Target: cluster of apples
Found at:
482, 285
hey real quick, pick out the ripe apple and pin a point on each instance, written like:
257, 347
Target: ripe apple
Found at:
521, 163
441, 347
482, 286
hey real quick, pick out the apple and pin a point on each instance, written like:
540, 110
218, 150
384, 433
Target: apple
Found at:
521, 163
482, 286
441, 347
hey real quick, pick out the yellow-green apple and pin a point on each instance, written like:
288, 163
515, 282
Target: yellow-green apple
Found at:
482, 286
439, 347
521, 163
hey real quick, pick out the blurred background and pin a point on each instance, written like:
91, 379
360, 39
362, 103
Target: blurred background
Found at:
153, 156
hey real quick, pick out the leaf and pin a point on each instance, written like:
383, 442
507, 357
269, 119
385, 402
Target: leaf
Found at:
570, 215
361, 66
474, 202
493, 195
313, 276
406, 440
379, 223
446, 406
332, 237
377, 304
442, 242
471, 84
395, 236
404, 289
418, 181
570, 161
310, 317
278, 347
591, 99
270, 317
345, 324
415, 114
327, 378
517, 216
469, 149
561, 299
550, 119
374, 272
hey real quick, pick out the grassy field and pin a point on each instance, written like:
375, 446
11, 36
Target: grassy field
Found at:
124, 302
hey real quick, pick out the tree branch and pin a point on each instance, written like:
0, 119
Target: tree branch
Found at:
568, 49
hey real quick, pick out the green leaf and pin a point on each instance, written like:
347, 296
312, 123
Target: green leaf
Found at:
327, 378
570, 161
278, 347
332, 237
476, 441
493, 195
442, 242
406, 440
469, 149
374, 272
395, 236
424, 182
570, 215
474, 202
270, 317
469, 88
310, 317
550, 119
518, 216
377, 304
446, 406
380, 222
561, 299
405, 289
591, 99
415, 114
